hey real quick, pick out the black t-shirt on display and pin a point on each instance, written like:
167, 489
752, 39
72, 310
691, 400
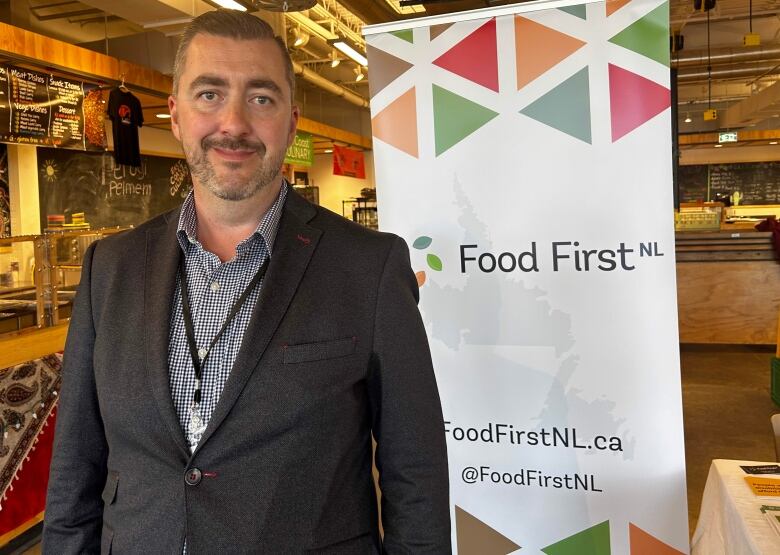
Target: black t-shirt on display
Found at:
126, 115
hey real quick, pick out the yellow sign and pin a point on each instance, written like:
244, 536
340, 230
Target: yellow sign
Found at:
764, 487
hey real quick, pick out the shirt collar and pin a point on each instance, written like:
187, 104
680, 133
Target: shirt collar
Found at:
186, 232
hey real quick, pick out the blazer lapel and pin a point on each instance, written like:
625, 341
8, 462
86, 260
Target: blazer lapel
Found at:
162, 260
293, 248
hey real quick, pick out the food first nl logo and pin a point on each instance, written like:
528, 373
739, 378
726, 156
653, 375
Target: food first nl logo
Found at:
434, 262
559, 256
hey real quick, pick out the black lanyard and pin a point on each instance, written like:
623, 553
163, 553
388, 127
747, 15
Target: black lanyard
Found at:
197, 362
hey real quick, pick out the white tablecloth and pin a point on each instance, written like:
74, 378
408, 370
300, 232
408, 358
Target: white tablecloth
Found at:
730, 522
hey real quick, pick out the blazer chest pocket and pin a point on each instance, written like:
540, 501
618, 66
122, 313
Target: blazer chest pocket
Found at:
321, 350
109, 491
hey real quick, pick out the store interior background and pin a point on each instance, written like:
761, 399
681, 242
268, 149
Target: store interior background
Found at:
742, 87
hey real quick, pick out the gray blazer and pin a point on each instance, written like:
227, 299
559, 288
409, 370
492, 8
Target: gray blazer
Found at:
335, 352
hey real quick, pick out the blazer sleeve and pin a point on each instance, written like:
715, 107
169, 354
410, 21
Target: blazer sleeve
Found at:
74, 508
407, 423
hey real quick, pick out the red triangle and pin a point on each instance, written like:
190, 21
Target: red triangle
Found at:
643, 543
634, 100
475, 57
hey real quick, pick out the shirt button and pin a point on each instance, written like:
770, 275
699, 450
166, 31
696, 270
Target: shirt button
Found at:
215, 286
192, 477
202, 353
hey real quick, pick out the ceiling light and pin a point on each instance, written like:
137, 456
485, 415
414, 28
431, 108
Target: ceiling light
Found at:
334, 59
300, 38
230, 5
405, 10
772, 142
359, 73
163, 116
347, 50
687, 118
328, 150
718, 146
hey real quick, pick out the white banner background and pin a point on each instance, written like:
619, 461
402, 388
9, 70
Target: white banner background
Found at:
593, 351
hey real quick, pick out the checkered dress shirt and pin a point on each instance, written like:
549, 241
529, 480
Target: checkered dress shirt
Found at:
213, 288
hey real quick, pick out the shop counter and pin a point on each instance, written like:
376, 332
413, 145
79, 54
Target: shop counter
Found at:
728, 287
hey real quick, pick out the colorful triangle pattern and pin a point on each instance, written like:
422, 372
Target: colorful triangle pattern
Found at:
614, 5
385, 68
455, 118
643, 543
396, 125
578, 10
634, 100
475, 58
593, 541
436, 30
566, 107
647, 36
477, 538
404, 34
533, 61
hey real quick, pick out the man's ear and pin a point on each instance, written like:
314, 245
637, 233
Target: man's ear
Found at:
174, 117
294, 114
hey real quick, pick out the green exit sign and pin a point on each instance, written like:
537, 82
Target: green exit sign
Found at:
728, 137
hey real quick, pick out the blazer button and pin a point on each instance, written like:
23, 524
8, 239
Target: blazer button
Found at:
192, 477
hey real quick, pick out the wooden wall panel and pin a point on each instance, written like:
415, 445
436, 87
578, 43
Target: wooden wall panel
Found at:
20, 44
728, 302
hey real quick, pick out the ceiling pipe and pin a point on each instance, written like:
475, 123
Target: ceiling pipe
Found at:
329, 86
724, 73
727, 55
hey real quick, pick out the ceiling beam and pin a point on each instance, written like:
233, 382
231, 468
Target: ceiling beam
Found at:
29, 47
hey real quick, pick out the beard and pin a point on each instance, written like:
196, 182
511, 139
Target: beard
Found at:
232, 185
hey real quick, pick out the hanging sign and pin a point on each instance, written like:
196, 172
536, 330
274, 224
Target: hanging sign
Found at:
41, 109
301, 152
348, 162
505, 144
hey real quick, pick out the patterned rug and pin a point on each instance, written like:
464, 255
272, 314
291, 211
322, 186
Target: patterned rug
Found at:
28, 392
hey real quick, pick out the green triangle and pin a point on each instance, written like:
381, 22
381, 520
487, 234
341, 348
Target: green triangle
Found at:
593, 541
648, 36
566, 107
406, 34
578, 10
455, 118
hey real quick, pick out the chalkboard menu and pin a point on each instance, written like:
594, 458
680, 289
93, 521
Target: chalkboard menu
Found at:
757, 182
41, 109
108, 194
5, 196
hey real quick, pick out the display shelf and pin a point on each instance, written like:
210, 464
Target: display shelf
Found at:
40, 275
363, 211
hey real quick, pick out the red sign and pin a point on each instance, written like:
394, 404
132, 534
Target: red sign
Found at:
348, 162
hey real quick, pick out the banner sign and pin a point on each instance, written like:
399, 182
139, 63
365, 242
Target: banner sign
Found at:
524, 153
348, 162
41, 109
301, 152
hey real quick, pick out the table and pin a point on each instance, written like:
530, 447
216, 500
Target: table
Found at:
730, 522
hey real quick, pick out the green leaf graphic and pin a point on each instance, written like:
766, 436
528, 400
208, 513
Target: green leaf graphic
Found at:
422, 242
434, 262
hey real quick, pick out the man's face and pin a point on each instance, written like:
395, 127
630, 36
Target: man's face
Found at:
233, 114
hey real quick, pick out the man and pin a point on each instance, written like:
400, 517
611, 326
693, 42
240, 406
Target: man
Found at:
216, 402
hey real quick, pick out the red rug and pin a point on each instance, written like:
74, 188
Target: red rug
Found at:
27, 400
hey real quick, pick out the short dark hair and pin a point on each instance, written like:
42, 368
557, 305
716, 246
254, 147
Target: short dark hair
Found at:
234, 25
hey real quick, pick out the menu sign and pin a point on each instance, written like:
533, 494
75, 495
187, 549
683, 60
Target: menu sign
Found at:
5, 107
67, 123
29, 98
41, 109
